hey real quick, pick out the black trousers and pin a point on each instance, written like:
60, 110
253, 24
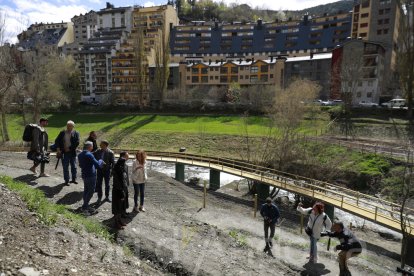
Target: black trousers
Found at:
272, 227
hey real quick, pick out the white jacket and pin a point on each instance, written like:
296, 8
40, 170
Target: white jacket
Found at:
139, 173
317, 223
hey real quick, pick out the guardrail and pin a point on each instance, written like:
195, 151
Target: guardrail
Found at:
368, 207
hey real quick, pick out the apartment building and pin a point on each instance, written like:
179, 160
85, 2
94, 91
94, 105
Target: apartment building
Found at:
379, 21
131, 83
213, 40
46, 36
95, 55
84, 28
314, 67
358, 69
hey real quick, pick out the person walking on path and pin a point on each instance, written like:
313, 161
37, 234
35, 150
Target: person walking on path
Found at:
104, 173
92, 138
350, 246
139, 177
67, 142
39, 146
88, 165
270, 214
120, 190
318, 221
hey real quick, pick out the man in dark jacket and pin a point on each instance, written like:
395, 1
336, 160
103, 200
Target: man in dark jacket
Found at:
88, 165
350, 246
39, 146
104, 173
67, 142
270, 214
120, 190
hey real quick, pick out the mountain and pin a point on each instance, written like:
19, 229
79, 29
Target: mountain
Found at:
331, 8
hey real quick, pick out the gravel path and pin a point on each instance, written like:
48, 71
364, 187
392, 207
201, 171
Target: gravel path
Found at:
177, 236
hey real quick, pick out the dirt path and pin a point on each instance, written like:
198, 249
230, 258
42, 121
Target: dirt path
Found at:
180, 237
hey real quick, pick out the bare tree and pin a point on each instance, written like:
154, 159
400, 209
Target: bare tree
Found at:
10, 66
162, 70
47, 75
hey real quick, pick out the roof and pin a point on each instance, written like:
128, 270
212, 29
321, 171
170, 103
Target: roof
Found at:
307, 58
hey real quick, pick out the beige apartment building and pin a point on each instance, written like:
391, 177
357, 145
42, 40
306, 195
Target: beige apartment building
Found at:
151, 24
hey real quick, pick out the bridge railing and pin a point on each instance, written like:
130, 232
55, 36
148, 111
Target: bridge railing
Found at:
374, 208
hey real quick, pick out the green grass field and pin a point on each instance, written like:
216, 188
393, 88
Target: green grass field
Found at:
129, 130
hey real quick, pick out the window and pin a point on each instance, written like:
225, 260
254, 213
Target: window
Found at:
223, 78
363, 25
363, 34
360, 83
223, 70
369, 95
364, 15
204, 79
387, 21
264, 78
241, 77
194, 79
194, 70
113, 22
380, 22
234, 70
271, 76
379, 32
204, 71
211, 78
188, 69
253, 79
264, 68
254, 69
385, 31
216, 77
188, 77
234, 79
359, 95
370, 83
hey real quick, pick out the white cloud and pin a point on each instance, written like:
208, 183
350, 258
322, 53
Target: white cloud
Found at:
95, 1
31, 11
149, 4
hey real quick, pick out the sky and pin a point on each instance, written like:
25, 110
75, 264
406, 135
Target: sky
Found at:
21, 13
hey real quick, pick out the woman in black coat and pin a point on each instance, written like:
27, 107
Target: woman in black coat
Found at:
120, 190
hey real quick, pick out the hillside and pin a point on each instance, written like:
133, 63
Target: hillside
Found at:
212, 11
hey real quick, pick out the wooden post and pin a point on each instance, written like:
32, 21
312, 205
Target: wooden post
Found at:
255, 206
376, 212
301, 223
204, 194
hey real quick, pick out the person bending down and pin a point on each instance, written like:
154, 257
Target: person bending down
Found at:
350, 246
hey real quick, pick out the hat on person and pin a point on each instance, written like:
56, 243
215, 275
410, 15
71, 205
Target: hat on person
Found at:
70, 122
88, 144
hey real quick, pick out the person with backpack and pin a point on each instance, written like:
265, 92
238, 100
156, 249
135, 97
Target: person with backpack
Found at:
318, 221
270, 214
139, 176
104, 173
66, 143
350, 246
38, 137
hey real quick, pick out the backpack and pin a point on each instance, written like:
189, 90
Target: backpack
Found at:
28, 132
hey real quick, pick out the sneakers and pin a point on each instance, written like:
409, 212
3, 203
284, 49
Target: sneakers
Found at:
141, 209
107, 199
44, 175
67, 183
136, 209
74, 182
89, 212
33, 169
271, 244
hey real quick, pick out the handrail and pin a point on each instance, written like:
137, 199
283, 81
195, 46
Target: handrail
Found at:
382, 211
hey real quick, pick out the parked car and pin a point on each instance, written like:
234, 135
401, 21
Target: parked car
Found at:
327, 103
120, 103
337, 102
367, 104
395, 103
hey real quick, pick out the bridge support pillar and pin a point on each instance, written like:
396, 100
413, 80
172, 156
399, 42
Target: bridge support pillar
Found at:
179, 172
262, 191
410, 252
214, 179
330, 211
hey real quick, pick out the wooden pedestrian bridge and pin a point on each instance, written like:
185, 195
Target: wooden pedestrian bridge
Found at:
365, 206
368, 207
